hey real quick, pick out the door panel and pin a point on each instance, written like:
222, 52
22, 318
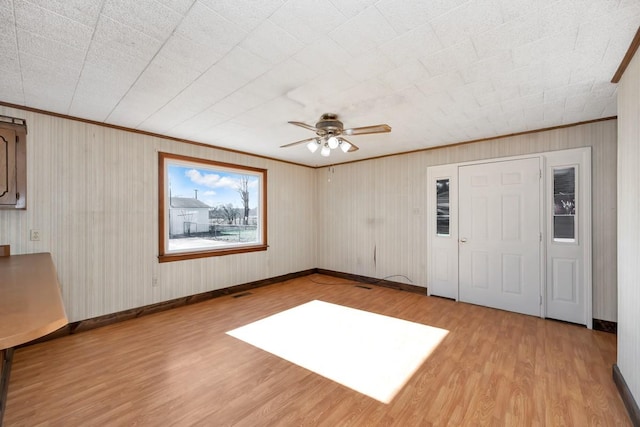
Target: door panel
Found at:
568, 213
499, 229
480, 270
511, 215
442, 241
479, 221
564, 280
512, 273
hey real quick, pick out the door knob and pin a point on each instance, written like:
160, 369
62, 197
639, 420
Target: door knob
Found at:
463, 240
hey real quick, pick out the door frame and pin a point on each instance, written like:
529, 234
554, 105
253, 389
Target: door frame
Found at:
547, 161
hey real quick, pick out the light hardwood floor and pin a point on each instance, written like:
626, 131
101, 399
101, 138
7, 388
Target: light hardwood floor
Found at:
179, 368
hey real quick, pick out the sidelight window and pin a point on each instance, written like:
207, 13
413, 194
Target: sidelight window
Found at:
564, 204
442, 207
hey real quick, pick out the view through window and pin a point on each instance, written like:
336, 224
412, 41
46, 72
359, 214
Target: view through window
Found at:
564, 204
210, 208
442, 206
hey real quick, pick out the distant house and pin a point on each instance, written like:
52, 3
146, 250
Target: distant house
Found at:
188, 216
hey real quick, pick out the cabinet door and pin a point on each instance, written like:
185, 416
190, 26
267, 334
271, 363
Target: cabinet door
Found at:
8, 188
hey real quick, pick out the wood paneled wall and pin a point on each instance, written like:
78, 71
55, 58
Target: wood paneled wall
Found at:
373, 218
93, 197
629, 226
92, 194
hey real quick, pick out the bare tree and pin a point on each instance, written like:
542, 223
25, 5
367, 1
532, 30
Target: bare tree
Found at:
216, 215
230, 213
243, 190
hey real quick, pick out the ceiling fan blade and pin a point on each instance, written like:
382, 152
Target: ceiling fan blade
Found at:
304, 125
367, 129
353, 146
302, 141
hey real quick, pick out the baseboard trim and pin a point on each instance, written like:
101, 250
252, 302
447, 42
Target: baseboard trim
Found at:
373, 281
627, 397
605, 326
108, 319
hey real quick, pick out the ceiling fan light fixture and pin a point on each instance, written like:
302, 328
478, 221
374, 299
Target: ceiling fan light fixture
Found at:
313, 145
329, 131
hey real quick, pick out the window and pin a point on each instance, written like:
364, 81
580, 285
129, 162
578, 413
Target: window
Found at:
442, 207
209, 208
564, 204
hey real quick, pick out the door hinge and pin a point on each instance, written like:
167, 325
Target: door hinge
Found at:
540, 234
540, 173
540, 299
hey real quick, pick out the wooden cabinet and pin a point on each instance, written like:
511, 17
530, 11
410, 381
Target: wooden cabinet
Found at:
13, 163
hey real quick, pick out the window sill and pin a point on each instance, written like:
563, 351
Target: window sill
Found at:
209, 253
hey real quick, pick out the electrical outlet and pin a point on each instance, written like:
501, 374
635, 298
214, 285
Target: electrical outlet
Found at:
34, 235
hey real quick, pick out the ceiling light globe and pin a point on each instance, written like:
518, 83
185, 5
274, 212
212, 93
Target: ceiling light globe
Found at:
325, 150
345, 146
313, 146
333, 142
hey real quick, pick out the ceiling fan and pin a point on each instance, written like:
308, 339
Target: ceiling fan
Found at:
330, 134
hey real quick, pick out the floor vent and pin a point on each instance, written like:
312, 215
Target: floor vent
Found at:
362, 286
244, 294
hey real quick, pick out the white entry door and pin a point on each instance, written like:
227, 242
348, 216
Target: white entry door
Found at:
499, 235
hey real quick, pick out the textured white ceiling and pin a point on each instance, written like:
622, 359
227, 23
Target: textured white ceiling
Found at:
231, 73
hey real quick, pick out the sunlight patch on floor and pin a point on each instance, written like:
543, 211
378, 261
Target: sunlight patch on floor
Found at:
370, 353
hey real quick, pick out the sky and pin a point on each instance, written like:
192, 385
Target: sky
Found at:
215, 187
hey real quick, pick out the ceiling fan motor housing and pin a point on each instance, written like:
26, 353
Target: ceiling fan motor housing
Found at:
329, 125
